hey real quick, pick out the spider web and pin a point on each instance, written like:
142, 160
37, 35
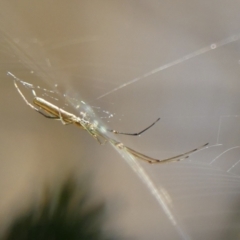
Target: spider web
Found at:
181, 65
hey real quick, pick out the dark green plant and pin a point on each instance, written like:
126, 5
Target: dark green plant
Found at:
67, 215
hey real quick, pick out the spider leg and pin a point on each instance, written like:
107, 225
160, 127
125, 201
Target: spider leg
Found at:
96, 134
153, 160
31, 106
64, 122
134, 134
47, 115
101, 140
25, 100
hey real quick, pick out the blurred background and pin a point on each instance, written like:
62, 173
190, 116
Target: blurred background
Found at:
131, 62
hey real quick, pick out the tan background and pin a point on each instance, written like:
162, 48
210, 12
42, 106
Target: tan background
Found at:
89, 48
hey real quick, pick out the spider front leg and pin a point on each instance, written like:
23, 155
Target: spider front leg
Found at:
134, 134
151, 160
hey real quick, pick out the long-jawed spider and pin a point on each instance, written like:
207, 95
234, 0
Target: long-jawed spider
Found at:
52, 111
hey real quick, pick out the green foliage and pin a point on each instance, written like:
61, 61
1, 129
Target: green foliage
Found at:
62, 216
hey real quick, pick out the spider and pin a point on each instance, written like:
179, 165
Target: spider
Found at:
52, 111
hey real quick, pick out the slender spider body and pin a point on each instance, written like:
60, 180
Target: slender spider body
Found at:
52, 111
